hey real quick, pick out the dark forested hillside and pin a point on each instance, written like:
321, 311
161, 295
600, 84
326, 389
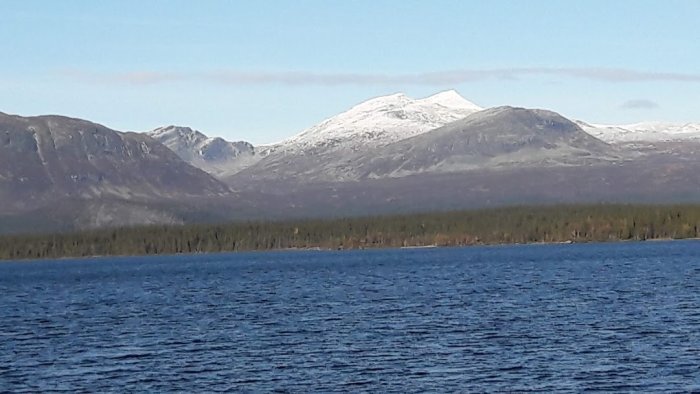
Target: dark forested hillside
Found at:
494, 226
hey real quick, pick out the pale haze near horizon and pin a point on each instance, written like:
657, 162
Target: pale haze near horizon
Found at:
263, 71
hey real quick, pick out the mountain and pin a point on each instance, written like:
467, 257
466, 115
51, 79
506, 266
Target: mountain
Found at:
56, 164
494, 157
380, 121
315, 153
376, 122
386, 155
644, 132
213, 155
502, 137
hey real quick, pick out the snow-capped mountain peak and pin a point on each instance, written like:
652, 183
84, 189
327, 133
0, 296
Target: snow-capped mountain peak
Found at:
451, 99
380, 121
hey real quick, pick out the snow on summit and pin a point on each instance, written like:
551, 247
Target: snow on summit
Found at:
382, 120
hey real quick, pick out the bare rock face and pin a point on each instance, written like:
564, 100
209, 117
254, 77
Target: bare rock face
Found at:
46, 160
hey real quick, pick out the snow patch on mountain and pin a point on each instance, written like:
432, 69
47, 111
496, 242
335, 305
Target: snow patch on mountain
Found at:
380, 121
643, 132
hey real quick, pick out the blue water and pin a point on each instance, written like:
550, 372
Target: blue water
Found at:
544, 318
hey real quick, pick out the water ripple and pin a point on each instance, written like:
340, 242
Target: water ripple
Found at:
565, 318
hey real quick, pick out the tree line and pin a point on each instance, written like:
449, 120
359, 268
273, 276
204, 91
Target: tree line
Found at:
575, 223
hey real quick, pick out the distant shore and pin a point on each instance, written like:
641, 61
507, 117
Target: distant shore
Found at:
514, 225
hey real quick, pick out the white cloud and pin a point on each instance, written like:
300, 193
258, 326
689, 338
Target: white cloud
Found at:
437, 78
639, 104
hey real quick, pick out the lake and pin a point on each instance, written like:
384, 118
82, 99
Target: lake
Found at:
608, 317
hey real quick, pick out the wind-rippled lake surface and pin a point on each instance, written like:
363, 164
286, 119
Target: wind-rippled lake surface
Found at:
515, 318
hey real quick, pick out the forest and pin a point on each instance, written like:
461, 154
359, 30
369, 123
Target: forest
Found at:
533, 224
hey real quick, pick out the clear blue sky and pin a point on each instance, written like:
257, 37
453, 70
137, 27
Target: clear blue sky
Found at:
264, 70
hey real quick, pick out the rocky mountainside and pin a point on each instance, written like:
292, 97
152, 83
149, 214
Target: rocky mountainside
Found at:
213, 155
48, 160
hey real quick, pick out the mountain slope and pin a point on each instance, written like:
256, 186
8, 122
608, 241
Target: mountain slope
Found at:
213, 155
46, 161
498, 137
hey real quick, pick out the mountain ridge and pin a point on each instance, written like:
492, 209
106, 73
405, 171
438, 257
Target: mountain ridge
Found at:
61, 172
387, 119
46, 161
644, 132
488, 139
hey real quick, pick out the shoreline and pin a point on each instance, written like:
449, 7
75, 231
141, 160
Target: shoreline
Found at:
321, 249
498, 226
